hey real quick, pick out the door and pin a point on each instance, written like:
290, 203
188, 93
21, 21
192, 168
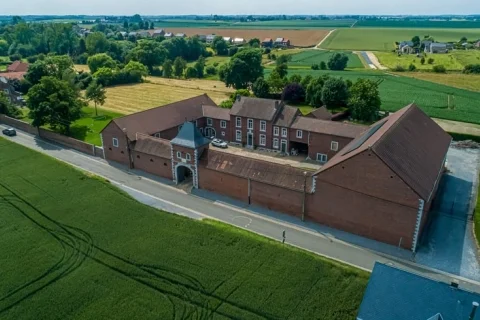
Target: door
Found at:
210, 132
284, 146
250, 140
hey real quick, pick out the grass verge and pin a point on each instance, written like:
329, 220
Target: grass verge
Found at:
79, 241
477, 217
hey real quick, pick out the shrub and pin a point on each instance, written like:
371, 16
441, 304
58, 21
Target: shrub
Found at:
430, 60
338, 61
32, 59
15, 57
472, 68
215, 64
191, 72
439, 69
412, 67
422, 61
211, 70
315, 67
323, 65
81, 59
267, 50
273, 57
232, 51
399, 68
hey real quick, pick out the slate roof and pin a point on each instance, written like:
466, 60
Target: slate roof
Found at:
216, 113
286, 116
18, 66
321, 113
267, 172
255, 108
162, 118
409, 143
153, 146
190, 137
333, 128
397, 294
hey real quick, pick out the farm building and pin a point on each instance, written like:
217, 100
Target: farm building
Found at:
406, 47
209, 38
180, 35
158, 33
15, 71
227, 39
144, 34
378, 182
267, 43
132, 34
282, 42
437, 47
238, 41
168, 35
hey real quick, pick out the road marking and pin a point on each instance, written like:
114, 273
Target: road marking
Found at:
242, 217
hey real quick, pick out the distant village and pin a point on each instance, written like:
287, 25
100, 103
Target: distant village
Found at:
429, 45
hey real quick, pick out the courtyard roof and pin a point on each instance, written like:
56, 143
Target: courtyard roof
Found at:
190, 137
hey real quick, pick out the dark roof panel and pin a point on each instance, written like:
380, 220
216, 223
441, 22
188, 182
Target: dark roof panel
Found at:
339, 129
286, 116
153, 146
255, 108
321, 113
215, 112
190, 137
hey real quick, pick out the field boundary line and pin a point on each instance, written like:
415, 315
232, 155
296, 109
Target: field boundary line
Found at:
317, 47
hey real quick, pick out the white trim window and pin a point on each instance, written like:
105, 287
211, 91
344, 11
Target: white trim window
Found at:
238, 136
188, 157
209, 122
284, 133
223, 124
275, 143
115, 142
238, 122
263, 126
322, 157
299, 134
334, 146
263, 140
276, 131
250, 124
179, 155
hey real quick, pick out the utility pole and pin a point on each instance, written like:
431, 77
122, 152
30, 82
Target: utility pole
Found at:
304, 194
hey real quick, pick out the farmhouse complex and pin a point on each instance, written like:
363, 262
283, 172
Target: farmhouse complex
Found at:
377, 181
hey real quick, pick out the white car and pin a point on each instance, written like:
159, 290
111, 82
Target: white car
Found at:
219, 143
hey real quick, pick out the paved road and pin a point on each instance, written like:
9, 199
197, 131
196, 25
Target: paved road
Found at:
311, 237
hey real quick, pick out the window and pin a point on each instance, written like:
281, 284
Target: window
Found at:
299, 134
238, 122
179, 155
209, 122
334, 146
187, 156
115, 142
201, 130
322, 157
238, 136
276, 131
157, 135
223, 124
263, 126
284, 132
250, 124
223, 133
263, 140
275, 143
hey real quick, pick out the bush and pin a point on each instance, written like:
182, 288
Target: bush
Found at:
338, 61
439, 69
211, 70
398, 68
156, 72
232, 51
15, 57
273, 57
472, 68
81, 59
191, 72
267, 50
32, 59
315, 67
430, 61
215, 64
323, 65
412, 67
422, 61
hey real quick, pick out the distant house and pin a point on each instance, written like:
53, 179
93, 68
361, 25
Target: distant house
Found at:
18, 66
123, 33
227, 39
477, 44
9, 90
210, 38
144, 34
278, 42
158, 33
238, 41
406, 47
286, 43
267, 43
393, 293
168, 35
426, 43
132, 34
437, 47
180, 35
202, 37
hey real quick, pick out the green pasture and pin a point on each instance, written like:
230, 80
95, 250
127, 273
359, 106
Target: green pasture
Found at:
309, 57
274, 24
417, 24
76, 247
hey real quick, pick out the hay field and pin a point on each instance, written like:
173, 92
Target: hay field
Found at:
303, 38
160, 91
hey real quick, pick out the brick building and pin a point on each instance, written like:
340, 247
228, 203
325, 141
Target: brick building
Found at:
377, 181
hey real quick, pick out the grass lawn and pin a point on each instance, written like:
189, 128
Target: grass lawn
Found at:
307, 58
457, 80
75, 247
376, 39
397, 91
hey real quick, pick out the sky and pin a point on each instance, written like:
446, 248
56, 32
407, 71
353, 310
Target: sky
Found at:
206, 7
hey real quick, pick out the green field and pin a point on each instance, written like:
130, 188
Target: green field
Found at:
75, 247
477, 217
309, 57
384, 40
418, 24
397, 92
274, 24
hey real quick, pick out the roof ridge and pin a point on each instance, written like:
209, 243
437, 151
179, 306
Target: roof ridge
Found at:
409, 107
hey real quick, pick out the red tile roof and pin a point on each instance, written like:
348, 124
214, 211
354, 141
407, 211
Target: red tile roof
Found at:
339, 129
409, 143
13, 75
18, 66
153, 146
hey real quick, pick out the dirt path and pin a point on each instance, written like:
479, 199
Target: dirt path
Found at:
373, 58
459, 127
320, 43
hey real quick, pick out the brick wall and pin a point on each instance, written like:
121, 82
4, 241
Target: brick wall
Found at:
216, 125
152, 164
21, 125
222, 183
120, 153
321, 143
276, 198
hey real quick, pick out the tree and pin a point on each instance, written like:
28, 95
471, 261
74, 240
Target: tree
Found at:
283, 59
152, 26
96, 93
125, 25
463, 40
314, 92
293, 92
211, 70
335, 93
199, 67
54, 102
261, 88
323, 65
191, 72
54, 66
422, 61
179, 66
337, 61
282, 70
295, 78
472, 69
3, 47
306, 81
6, 107
412, 67
220, 46
100, 60
364, 101
97, 42
149, 52
136, 67
430, 60
82, 46
254, 43
416, 41
243, 69
276, 82
141, 25
167, 68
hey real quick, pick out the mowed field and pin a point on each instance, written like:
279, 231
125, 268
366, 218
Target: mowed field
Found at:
302, 38
309, 57
76, 247
274, 24
455, 60
384, 39
128, 99
397, 91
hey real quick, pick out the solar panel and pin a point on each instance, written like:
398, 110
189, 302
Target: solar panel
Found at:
360, 141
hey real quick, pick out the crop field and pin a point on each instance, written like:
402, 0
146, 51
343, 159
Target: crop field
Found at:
160, 91
102, 255
396, 92
417, 24
309, 57
303, 38
276, 24
455, 60
384, 40
457, 80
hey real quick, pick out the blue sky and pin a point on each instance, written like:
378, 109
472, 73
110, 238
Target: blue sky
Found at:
156, 7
